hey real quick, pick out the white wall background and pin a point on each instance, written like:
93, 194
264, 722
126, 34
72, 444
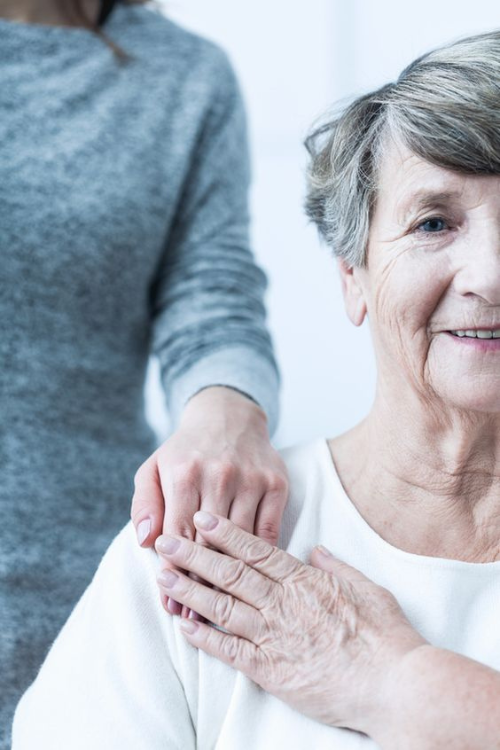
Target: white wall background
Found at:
293, 60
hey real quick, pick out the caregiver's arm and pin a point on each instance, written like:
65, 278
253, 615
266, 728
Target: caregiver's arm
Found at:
439, 699
209, 330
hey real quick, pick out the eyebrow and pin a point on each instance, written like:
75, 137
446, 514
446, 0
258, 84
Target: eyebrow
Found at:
424, 199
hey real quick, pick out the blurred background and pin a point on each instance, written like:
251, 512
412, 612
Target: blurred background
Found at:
294, 59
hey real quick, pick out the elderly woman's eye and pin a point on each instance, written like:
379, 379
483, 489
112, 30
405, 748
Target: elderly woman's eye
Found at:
433, 224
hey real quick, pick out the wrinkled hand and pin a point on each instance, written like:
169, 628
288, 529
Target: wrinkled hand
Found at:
219, 460
322, 637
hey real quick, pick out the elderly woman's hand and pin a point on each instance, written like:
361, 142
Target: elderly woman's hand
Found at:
326, 641
219, 460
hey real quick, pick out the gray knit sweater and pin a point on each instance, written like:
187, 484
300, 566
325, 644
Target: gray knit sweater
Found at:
123, 231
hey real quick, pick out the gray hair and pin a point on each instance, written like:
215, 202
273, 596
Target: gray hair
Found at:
444, 107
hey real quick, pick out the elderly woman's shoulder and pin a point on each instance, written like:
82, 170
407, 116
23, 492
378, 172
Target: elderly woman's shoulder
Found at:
306, 458
310, 468
124, 560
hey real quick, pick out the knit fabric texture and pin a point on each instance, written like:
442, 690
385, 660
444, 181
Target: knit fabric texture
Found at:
123, 232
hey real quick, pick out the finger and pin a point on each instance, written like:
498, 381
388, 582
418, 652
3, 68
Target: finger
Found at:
182, 500
258, 554
147, 503
219, 482
236, 652
185, 611
243, 510
222, 609
242, 513
195, 615
175, 608
172, 606
228, 574
270, 513
324, 560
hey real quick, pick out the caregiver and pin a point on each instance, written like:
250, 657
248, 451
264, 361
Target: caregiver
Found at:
124, 232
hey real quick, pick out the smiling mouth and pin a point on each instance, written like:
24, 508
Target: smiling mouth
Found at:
477, 333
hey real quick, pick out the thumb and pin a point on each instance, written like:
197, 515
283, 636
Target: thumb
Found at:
148, 505
324, 560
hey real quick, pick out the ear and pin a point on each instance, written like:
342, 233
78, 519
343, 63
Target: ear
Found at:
352, 290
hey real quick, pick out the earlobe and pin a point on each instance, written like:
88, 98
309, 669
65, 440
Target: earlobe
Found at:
354, 299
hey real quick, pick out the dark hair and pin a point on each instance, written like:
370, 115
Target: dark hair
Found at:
74, 10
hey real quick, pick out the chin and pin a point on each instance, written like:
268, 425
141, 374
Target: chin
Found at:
477, 398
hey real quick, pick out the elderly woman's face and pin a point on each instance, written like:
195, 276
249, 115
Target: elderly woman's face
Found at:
432, 284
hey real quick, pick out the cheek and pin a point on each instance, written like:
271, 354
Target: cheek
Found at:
406, 292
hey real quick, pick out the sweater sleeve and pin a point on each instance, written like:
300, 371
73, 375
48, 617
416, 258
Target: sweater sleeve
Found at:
118, 676
209, 320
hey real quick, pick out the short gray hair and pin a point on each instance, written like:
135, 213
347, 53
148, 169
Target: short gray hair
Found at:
444, 107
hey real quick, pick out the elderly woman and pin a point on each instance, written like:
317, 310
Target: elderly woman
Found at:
405, 187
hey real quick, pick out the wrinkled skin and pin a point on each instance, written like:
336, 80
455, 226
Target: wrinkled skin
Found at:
325, 641
423, 468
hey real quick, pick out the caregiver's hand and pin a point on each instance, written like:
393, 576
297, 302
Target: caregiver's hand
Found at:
220, 460
326, 641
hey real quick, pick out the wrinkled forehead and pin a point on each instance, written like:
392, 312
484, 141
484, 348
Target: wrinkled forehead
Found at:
407, 185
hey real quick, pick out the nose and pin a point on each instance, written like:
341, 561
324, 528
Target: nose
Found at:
479, 272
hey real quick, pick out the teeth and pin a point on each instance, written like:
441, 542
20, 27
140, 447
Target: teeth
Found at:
478, 334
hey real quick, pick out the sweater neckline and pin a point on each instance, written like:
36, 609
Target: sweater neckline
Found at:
374, 539
33, 37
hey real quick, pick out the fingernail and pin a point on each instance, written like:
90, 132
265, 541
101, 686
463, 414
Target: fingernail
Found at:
167, 544
323, 551
174, 607
194, 616
205, 520
143, 530
188, 626
168, 579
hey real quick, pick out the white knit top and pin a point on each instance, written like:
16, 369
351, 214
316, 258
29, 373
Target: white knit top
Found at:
121, 676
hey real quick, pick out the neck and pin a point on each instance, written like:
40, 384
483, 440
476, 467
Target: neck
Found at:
427, 480
49, 12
